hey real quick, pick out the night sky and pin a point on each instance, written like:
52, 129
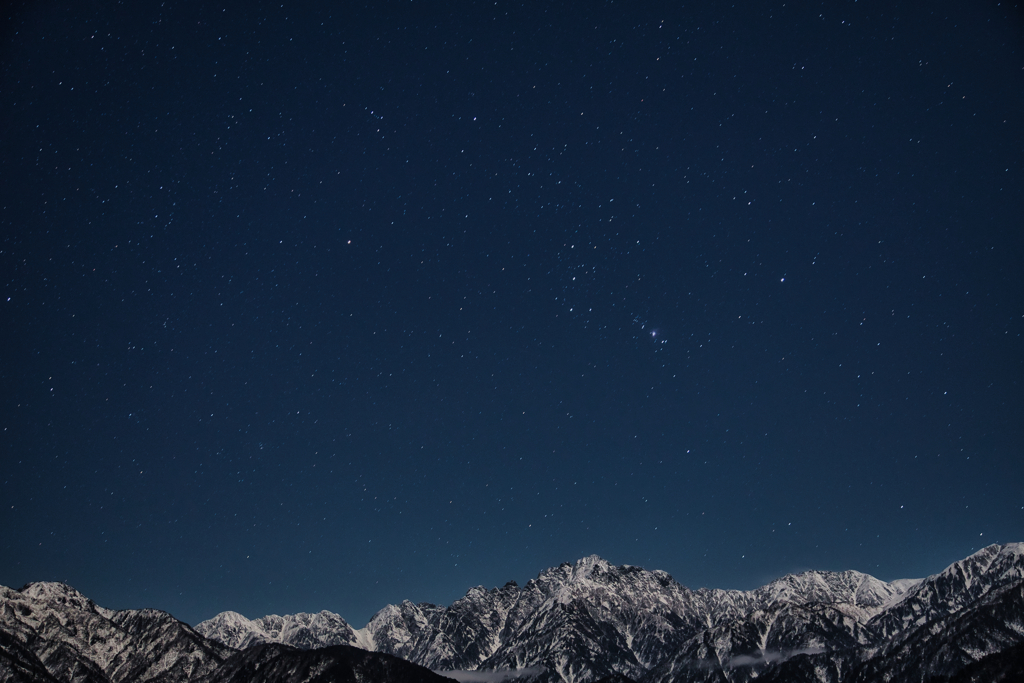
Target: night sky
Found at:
326, 306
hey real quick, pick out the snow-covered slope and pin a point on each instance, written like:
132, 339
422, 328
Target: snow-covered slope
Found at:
579, 622
304, 631
73, 639
959, 585
903, 631
51, 633
590, 619
575, 623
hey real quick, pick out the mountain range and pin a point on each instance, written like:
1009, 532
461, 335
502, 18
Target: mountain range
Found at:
583, 622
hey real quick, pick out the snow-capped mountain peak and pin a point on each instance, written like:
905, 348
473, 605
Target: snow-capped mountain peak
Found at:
302, 630
582, 621
960, 584
54, 593
53, 627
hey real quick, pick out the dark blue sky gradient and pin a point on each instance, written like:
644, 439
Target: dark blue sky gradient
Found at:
323, 307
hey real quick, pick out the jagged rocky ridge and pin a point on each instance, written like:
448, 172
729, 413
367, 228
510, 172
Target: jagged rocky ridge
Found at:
577, 623
51, 633
52, 628
589, 620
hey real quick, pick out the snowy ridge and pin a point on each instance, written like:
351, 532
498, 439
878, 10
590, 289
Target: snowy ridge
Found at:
960, 584
574, 623
52, 625
302, 630
590, 619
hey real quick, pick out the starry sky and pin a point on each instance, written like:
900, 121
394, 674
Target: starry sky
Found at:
325, 306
